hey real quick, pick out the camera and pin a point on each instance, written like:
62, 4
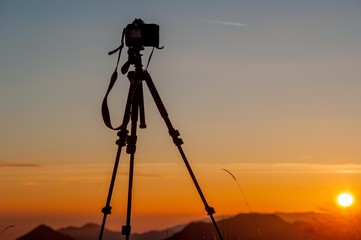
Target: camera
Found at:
139, 34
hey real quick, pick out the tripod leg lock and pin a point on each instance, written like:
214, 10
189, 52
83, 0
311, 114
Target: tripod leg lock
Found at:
107, 210
122, 134
175, 136
131, 144
210, 210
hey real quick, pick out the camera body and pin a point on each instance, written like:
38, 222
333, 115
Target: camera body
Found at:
139, 34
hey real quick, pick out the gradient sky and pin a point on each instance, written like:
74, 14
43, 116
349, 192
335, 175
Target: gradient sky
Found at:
269, 90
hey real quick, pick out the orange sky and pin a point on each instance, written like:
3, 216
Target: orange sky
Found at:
166, 189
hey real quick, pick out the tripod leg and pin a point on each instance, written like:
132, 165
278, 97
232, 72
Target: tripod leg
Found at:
178, 142
126, 230
137, 102
142, 123
107, 209
121, 142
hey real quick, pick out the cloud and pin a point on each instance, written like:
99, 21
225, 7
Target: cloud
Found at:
234, 24
4, 164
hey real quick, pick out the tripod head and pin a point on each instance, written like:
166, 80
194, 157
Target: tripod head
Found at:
137, 36
134, 58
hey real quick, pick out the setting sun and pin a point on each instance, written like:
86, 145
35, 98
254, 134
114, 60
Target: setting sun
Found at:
345, 199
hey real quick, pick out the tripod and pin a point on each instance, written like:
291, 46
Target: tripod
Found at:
134, 110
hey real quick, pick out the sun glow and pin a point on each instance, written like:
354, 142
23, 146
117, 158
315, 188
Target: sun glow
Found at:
345, 199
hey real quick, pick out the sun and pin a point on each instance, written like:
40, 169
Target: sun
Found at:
345, 199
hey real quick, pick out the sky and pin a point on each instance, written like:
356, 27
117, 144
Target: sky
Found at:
269, 90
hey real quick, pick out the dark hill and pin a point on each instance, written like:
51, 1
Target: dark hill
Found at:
89, 232
310, 217
272, 227
240, 227
43, 232
152, 235
246, 226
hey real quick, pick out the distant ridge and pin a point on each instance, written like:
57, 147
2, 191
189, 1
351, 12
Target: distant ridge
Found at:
302, 216
44, 232
299, 226
91, 231
272, 227
245, 226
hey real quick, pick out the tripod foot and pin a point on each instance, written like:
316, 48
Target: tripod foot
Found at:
126, 230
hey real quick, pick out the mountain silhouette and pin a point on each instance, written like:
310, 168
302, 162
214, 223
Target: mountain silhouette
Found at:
157, 235
44, 232
91, 231
243, 226
310, 226
310, 217
271, 227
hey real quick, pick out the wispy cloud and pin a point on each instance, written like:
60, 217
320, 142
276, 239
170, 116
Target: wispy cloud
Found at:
4, 164
234, 24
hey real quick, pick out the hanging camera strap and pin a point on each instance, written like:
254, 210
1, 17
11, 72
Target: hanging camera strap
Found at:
113, 79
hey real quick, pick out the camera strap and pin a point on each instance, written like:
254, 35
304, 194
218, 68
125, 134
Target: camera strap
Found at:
113, 79
150, 57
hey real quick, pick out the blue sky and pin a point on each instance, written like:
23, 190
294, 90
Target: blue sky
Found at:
284, 62
245, 82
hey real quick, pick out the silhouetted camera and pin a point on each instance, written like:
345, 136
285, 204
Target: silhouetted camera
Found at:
139, 34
